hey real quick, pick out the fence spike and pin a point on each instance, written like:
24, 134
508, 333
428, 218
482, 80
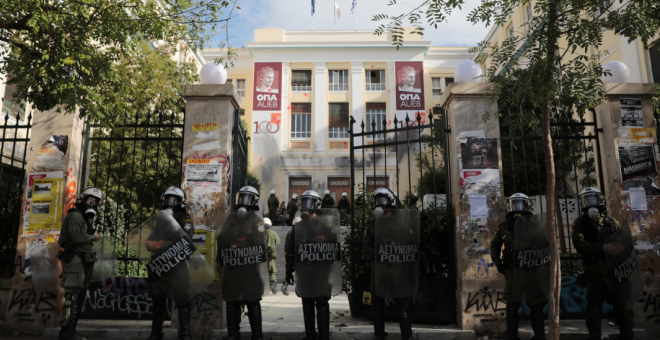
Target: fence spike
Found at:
6, 118
396, 121
431, 115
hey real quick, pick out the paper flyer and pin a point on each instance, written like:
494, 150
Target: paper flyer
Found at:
637, 199
631, 113
478, 206
47, 203
204, 241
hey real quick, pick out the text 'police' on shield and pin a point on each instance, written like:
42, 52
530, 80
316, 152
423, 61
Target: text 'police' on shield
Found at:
171, 257
242, 256
318, 252
532, 258
397, 253
626, 268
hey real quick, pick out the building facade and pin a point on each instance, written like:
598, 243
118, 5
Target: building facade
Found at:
300, 88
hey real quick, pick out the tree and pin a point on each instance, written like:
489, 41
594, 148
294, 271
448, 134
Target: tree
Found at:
60, 53
563, 71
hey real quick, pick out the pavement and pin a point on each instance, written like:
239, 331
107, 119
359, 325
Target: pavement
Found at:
283, 319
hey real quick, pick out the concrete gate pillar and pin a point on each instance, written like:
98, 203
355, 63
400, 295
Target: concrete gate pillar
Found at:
479, 293
28, 311
208, 139
616, 140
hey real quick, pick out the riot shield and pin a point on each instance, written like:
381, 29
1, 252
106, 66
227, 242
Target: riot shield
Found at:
622, 260
171, 257
46, 267
531, 258
106, 258
243, 255
318, 253
397, 253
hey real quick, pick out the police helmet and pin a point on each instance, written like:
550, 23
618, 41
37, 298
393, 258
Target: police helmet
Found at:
294, 196
310, 199
384, 198
591, 197
272, 192
327, 192
173, 197
247, 197
92, 197
518, 202
267, 222
344, 194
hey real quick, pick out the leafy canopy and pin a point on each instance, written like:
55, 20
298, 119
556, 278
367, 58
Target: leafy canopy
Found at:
60, 53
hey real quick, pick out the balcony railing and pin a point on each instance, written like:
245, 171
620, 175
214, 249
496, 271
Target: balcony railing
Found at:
301, 88
376, 87
338, 87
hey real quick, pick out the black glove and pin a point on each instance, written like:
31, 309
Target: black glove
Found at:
289, 278
501, 268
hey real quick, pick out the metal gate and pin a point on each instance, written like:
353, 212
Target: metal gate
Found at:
239, 163
13, 151
133, 163
419, 146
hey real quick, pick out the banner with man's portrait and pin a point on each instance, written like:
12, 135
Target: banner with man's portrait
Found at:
267, 87
409, 86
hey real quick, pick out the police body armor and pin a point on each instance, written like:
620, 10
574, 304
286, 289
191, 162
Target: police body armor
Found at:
242, 253
627, 276
397, 253
176, 264
46, 267
531, 258
318, 254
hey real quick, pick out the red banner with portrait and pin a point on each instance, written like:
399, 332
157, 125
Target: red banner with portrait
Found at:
409, 86
267, 87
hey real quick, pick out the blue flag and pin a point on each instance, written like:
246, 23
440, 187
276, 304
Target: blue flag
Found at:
313, 6
353, 6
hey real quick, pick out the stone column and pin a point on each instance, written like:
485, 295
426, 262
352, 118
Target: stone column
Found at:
208, 105
357, 101
391, 90
320, 107
284, 135
643, 224
479, 289
28, 311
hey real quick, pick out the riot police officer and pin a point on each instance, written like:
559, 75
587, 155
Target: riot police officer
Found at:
272, 240
516, 206
384, 203
292, 208
76, 238
344, 207
244, 277
590, 231
173, 200
273, 205
313, 252
328, 201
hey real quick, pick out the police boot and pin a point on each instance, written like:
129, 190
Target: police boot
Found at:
273, 288
254, 314
625, 323
378, 313
512, 319
233, 321
405, 320
538, 322
184, 322
308, 317
323, 318
593, 316
157, 317
68, 332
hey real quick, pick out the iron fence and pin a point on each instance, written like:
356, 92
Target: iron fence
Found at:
13, 151
239, 163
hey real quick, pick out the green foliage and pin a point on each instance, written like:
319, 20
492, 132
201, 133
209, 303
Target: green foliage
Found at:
10, 215
362, 216
253, 181
61, 53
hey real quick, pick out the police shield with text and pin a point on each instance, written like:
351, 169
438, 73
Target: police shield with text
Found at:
313, 253
392, 241
622, 261
592, 237
76, 239
520, 260
242, 263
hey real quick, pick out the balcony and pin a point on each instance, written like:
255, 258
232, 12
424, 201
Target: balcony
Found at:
378, 87
338, 87
301, 88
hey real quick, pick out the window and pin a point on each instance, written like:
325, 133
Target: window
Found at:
240, 87
338, 80
375, 80
436, 86
301, 120
338, 120
448, 81
301, 81
229, 81
528, 16
511, 33
376, 112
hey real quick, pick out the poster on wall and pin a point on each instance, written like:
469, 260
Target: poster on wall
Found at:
267, 83
479, 153
204, 175
410, 86
631, 113
204, 241
47, 203
27, 208
636, 161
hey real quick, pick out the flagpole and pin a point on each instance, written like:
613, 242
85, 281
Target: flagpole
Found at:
334, 11
356, 13
312, 22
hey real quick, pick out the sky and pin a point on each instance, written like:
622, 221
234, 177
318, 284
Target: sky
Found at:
296, 15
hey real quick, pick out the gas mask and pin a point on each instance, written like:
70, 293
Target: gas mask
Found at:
378, 212
90, 205
593, 213
242, 212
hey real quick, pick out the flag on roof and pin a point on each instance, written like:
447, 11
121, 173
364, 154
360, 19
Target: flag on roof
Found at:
313, 6
353, 6
337, 10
